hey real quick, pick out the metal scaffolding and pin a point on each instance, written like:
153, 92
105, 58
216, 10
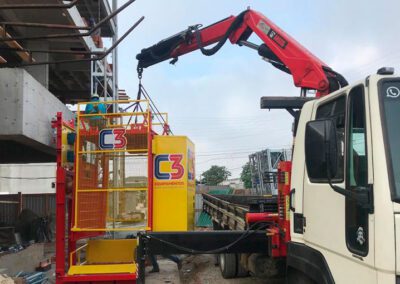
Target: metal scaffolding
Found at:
264, 167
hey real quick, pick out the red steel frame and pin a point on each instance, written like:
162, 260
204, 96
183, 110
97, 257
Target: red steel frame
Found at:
60, 201
279, 231
61, 206
284, 181
64, 202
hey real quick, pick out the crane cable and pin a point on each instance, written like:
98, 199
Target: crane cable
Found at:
137, 106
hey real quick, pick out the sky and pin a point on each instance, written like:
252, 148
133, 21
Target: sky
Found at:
215, 101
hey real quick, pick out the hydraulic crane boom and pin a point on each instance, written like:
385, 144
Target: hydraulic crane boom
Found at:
279, 49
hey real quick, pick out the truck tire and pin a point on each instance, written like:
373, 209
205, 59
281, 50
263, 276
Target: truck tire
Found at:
295, 276
228, 265
241, 270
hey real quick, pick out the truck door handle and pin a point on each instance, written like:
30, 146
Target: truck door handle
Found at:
290, 199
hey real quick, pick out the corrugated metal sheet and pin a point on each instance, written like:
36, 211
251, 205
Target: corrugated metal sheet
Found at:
8, 214
52, 204
9, 209
41, 204
204, 220
223, 191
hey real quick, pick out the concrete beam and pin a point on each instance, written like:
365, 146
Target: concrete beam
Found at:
26, 111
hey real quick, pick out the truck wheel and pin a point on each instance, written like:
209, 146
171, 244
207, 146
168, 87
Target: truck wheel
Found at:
228, 264
241, 270
295, 276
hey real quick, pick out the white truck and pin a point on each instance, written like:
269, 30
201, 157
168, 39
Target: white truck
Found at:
346, 176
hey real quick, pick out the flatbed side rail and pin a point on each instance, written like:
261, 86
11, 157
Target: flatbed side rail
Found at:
232, 214
225, 214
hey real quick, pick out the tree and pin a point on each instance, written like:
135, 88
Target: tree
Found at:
245, 176
215, 175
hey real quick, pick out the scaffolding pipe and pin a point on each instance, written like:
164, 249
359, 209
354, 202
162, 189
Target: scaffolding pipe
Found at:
45, 26
60, 51
117, 163
39, 6
115, 59
90, 32
96, 58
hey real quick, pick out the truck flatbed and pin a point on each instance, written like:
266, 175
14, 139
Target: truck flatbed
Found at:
229, 211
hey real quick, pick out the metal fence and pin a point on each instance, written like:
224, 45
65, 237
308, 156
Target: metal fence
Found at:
11, 206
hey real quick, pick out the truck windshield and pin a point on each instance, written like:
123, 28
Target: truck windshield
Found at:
390, 109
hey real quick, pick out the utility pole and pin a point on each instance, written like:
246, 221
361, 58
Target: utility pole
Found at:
117, 160
115, 59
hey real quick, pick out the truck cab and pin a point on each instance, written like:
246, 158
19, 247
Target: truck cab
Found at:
345, 198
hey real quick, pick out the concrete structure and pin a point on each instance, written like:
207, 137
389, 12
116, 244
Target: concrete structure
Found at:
27, 178
26, 111
31, 96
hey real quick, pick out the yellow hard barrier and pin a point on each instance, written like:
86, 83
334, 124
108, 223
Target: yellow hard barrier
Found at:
104, 256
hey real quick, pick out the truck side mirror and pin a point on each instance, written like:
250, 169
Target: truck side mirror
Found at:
322, 162
321, 150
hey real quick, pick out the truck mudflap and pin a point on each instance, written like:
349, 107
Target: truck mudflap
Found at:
310, 262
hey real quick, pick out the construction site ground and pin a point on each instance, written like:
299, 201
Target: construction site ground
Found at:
198, 269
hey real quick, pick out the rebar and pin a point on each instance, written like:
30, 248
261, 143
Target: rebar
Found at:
96, 58
90, 32
39, 6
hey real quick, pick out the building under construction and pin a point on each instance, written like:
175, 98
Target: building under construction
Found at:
51, 54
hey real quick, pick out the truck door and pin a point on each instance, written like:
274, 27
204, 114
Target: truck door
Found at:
334, 225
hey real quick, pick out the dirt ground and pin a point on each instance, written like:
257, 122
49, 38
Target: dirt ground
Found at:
198, 269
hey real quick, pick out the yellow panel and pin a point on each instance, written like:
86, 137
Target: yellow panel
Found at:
174, 184
65, 147
102, 269
111, 251
169, 211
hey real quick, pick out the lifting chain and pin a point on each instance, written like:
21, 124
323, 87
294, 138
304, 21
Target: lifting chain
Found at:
140, 72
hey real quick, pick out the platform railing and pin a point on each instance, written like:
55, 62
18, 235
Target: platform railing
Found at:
77, 256
108, 148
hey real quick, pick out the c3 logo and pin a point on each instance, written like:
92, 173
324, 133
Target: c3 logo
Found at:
177, 169
112, 139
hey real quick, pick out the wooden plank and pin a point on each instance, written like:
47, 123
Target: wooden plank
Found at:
22, 54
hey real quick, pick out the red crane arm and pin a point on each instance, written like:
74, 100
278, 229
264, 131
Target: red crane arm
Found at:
278, 48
